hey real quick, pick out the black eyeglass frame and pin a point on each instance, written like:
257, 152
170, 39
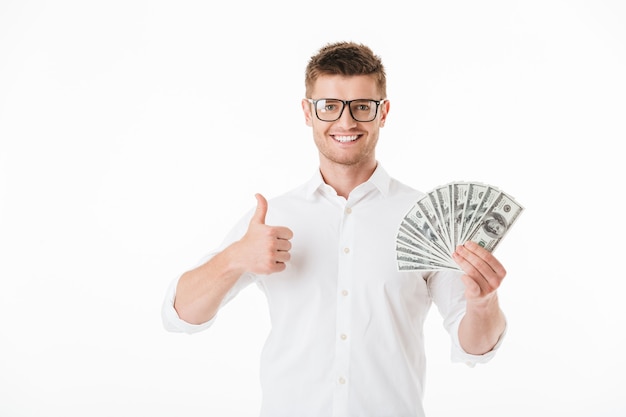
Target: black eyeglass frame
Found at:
344, 104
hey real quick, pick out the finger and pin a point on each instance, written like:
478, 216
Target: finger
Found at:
487, 257
278, 267
284, 233
488, 265
480, 265
261, 210
471, 263
472, 271
283, 245
282, 256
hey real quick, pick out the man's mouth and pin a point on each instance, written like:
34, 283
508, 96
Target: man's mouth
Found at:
345, 138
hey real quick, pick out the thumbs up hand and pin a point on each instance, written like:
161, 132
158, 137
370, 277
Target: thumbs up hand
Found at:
264, 249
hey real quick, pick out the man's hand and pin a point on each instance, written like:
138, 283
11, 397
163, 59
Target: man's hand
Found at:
484, 322
264, 249
483, 272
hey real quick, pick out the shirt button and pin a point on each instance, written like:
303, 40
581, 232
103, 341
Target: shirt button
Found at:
343, 337
342, 380
344, 293
348, 210
346, 250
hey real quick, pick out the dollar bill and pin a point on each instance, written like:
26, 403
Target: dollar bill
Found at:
408, 246
448, 216
458, 198
410, 239
418, 220
479, 200
441, 198
496, 222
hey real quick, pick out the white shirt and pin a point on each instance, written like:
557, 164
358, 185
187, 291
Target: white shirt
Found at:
347, 326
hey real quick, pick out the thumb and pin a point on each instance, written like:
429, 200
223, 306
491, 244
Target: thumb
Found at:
261, 210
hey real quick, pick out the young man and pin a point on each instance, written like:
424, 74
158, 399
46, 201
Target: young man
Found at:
347, 326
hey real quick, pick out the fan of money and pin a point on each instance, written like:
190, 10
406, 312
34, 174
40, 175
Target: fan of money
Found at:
451, 215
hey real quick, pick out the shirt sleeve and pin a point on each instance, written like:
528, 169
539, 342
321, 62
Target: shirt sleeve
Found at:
447, 291
172, 321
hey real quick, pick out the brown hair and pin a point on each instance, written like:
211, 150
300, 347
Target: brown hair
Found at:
345, 58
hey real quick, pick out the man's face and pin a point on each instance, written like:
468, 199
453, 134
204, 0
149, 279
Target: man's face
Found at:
345, 141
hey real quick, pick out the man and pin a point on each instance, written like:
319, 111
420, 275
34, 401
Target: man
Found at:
347, 326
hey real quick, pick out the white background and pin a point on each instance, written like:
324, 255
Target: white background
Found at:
134, 133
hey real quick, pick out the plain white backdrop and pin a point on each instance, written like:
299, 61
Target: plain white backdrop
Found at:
133, 134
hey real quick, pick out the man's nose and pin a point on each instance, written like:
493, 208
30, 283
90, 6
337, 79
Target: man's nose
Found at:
346, 119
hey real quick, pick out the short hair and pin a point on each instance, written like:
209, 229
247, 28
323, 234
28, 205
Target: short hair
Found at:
348, 59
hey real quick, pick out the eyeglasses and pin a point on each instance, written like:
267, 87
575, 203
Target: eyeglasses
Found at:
331, 109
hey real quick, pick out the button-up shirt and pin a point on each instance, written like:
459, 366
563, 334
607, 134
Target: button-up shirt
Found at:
346, 325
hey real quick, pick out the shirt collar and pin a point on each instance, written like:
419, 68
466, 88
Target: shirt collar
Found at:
380, 180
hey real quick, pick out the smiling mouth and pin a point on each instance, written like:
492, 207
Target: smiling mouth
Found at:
345, 138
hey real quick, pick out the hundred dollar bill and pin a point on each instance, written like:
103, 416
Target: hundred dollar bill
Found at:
441, 200
423, 266
417, 251
435, 224
480, 197
421, 223
408, 238
458, 199
496, 222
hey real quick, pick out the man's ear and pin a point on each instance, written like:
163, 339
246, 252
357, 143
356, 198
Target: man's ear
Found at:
306, 109
384, 110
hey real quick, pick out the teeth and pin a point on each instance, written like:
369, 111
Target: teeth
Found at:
346, 138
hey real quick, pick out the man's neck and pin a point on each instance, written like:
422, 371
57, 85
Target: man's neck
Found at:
345, 178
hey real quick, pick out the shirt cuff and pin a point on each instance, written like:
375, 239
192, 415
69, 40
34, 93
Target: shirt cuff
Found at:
459, 355
172, 321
